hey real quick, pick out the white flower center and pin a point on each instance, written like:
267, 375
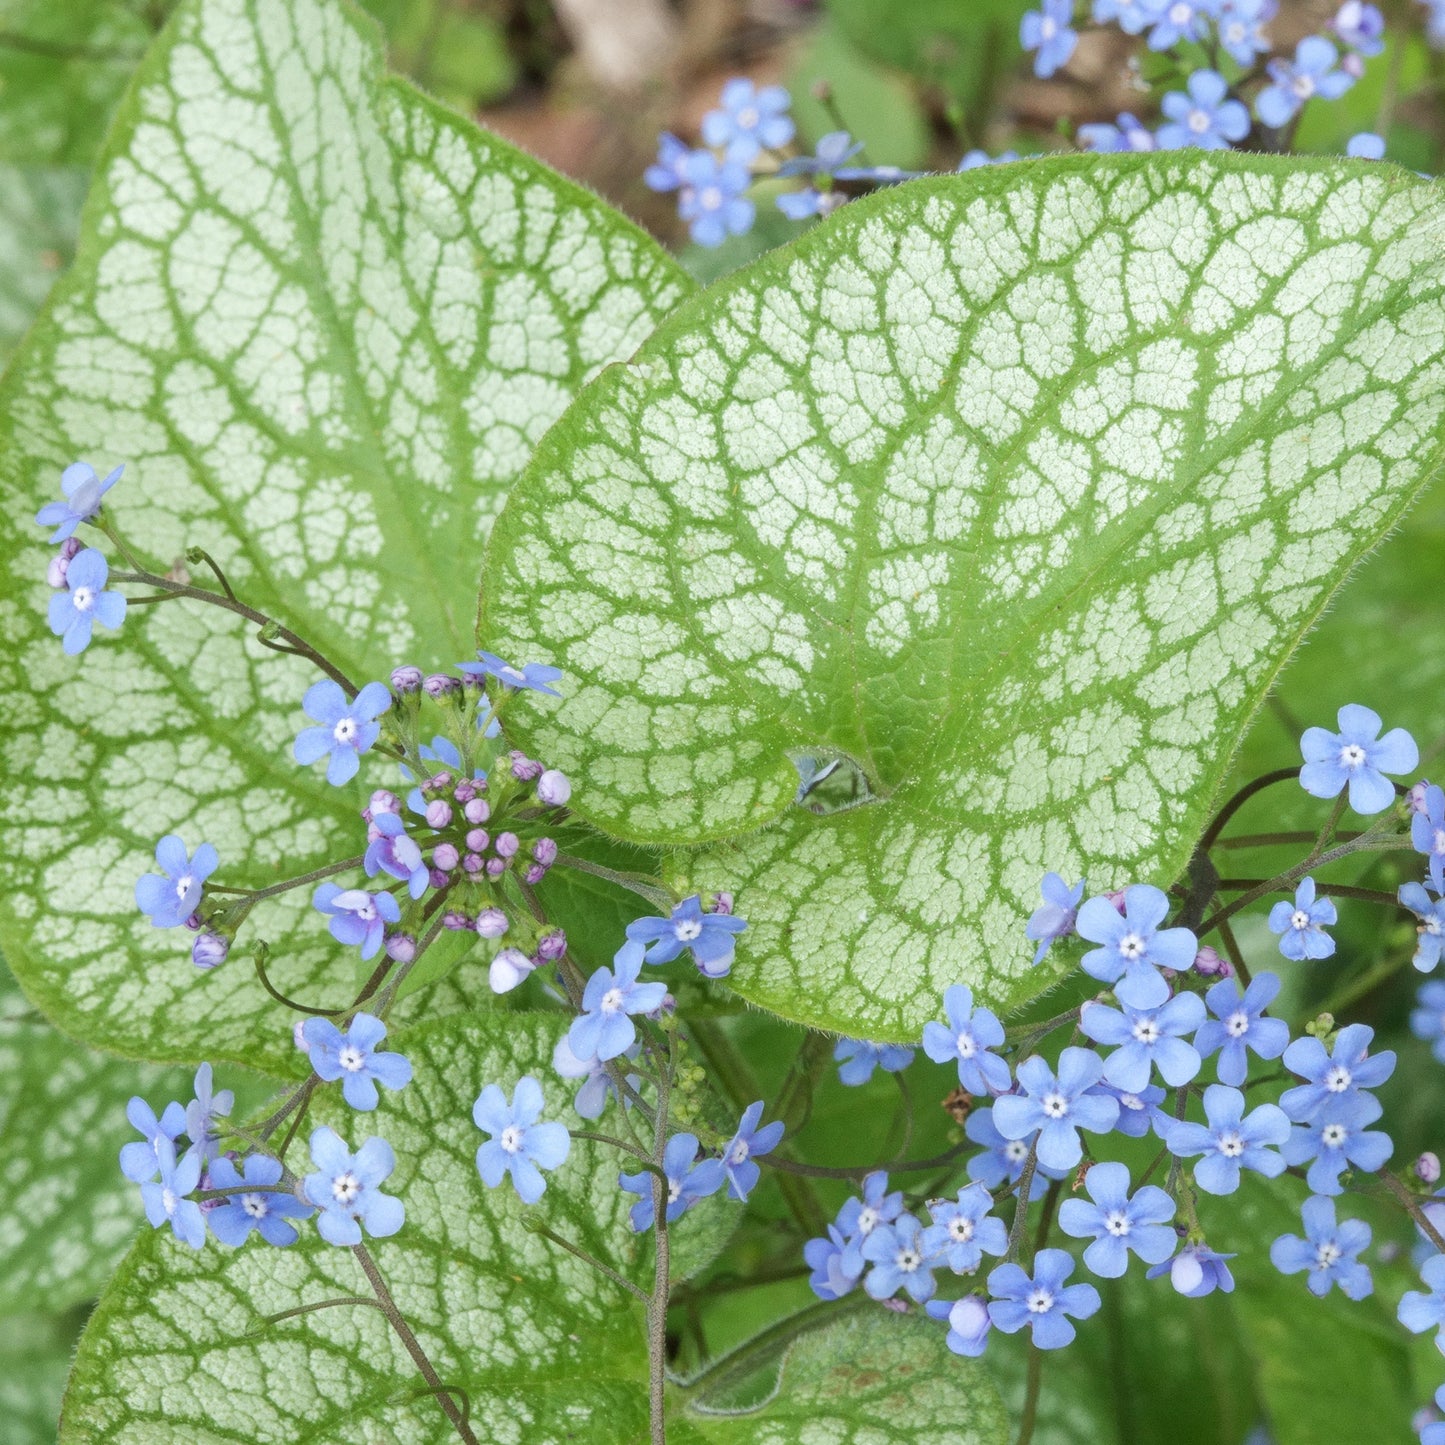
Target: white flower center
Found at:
1015, 1151
351, 1058
710, 198
511, 1138
967, 1048
739, 1151
1333, 1136
1182, 13
345, 1188
365, 911
1130, 1101
1431, 926
1439, 841
169, 1200
511, 675
1040, 1300
345, 731
184, 884
254, 1205
1338, 1078
961, 1228
1299, 920
908, 1259
1055, 1105
748, 118
1199, 121
687, 929
1117, 1223
1233, 33
1327, 1254
1237, 1024
1230, 1144
612, 1001
1048, 28
867, 1219
1131, 947
83, 598
1351, 755
1146, 1030
674, 1190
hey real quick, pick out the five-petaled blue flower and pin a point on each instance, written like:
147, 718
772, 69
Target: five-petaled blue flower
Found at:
82, 491
1206, 117
1146, 1039
257, 1207
1356, 756
963, 1230
140, 1159
1056, 918
1230, 1140
857, 1058
1128, 134
592, 1097
827, 1258
664, 174
967, 1040
1002, 1160
1241, 29
347, 729
745, 1146
749, 120
352, 1058
394, 851
1238, 1026
1116, 1223
357, 917
1048, 32
1337, 1140
344, 1189
1057, 1106
202, 1113
1312, 72
859, 1216
519, 1146
1427, 833
900, 1261
1329, 1251
1301, 924
1042, 1302
1196, 1271
1360, 26
1427, 1018
1180, 20
686, 1182
1419, 1312
171, 900
83, 601
166, 1201
711, 937
603, 1029
1134, 947
1334, 1075
530, 677
828, 162
711, 200
968, 1323
1138, 1108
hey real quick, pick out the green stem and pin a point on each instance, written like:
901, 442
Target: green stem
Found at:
661, 1273
638, 883
588, 1259
326, 1304
1021, 1209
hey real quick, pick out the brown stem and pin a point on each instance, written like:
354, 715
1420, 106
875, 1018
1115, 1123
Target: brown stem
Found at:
1021, 1209
1031, 1394
1212, 832
657, 1305
1412, 1206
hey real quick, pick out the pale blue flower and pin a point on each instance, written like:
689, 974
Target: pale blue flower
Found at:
968, 1040
1312, 72
530, 677
1048, 31
1333, 1075
1336, 1140
1127, 135
1117, 1223
1042, 1302
1145, 1040
1330, 1252
687, 1182
1301, 925
520, 1145
345, 1190
1356, 756
83, 601
746, 1145
1205, 117
750, 120
1134, 947
348, 728
266, 1210
352, 1057
1056, 1106
1229, 1140
357, 917
604, 1029
1238, 1026
963, 1230
140, 1159
857, 1058
1056, 918
82, 491
167, 1201
900, 1260
1196, 1271
1427, 834
1366, 146
171, 900
710, 937
202, 1113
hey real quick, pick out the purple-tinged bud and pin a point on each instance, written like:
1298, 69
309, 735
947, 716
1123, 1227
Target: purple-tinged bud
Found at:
491, 923
496, 867
445, 857
969, 1320
457, 921
464, 791
477, 811
1116, 897
534, 875
1427, 1168
524, 769
1209, 963
372, 831
438, 813
59, 567
898, 1306
551, 946
1353, 65
401, 948
667, 1006
193, 922
722, 903
383, 800
508, 969
299, 1037
507, 845
437, 783
477, 840
210, 949
553, 789
474, 863
544, 851
437, 878
405, 679
438, 684
1416, 796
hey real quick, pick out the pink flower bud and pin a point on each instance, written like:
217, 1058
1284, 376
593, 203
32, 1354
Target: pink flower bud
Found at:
210, 949
445, 857
464, 791
496, 867
507, 844
553, 789
544, 851
474, 863
1427, 1168
457, 921
1416, 796
477, 811
551, 946
401, 947
535, 874
438, 813
491, 923
477, 840
1210, 963
406, 679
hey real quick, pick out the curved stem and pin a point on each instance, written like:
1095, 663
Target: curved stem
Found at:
588, 1259
1413, 1208
859, 1171
281, 998
326, 1304
1212, 832
295, 643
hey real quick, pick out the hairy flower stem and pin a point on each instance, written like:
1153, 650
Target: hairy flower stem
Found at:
638, 883
606, 1270
657, 1305
255, 895
644, 1158
294, 643
1031, 1395
266, 1321
1021, 1209
413, 1345
1413, 1208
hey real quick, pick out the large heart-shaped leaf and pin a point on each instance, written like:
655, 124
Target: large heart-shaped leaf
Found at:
546, 1350
1016, 489
324, 321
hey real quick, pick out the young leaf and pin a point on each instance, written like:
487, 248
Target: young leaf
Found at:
546, 1349
39, 213
324, 321
1017, 489
860, 1379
